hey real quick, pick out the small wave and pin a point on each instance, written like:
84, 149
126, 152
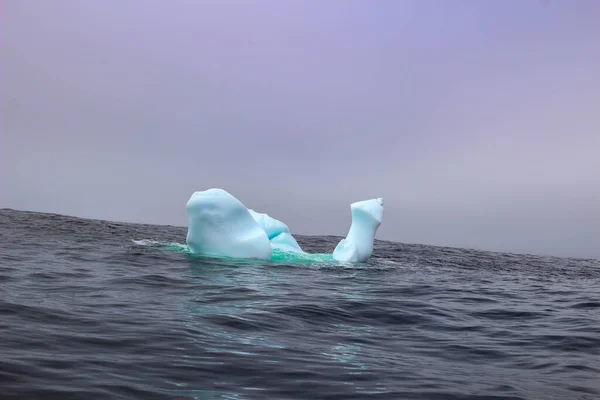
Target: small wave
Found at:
146, 242
172, 246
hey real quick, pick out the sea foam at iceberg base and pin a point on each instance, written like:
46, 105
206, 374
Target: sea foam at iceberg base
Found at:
221, 226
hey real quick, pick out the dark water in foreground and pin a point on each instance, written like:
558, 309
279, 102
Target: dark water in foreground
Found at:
87, 313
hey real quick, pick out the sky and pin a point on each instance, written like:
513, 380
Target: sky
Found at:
477, 121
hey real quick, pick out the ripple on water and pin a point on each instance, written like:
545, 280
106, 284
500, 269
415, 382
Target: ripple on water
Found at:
89, 310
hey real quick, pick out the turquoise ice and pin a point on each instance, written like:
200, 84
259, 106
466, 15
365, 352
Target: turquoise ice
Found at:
221, 226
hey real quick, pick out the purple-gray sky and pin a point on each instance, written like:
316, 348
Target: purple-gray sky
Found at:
477, 121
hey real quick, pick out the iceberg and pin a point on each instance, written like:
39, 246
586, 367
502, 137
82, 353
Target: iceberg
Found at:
278, 233
358, 244
221, 226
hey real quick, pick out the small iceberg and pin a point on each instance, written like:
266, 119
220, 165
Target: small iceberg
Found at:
221, 226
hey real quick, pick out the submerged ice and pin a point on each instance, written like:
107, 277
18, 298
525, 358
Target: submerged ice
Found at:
221, 226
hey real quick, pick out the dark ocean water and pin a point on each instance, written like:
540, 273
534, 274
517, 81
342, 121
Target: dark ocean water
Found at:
99, 310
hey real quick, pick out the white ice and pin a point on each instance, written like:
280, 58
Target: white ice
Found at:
278, 233
358, 244
221, 226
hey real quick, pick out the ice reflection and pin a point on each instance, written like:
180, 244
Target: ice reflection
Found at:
228, 304
355, 337
260, 314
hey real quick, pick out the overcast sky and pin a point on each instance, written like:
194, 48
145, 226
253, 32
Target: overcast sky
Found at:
477, 121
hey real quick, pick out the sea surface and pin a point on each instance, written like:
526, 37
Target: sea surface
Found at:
102, 310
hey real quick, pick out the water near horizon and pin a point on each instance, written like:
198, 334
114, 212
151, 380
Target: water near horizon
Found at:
96, 310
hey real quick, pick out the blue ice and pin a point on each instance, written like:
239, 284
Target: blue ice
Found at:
221, 226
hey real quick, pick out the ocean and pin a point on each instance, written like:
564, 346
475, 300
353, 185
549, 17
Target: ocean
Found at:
102, 310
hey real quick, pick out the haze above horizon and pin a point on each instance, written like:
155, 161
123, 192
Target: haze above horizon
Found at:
477, 122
